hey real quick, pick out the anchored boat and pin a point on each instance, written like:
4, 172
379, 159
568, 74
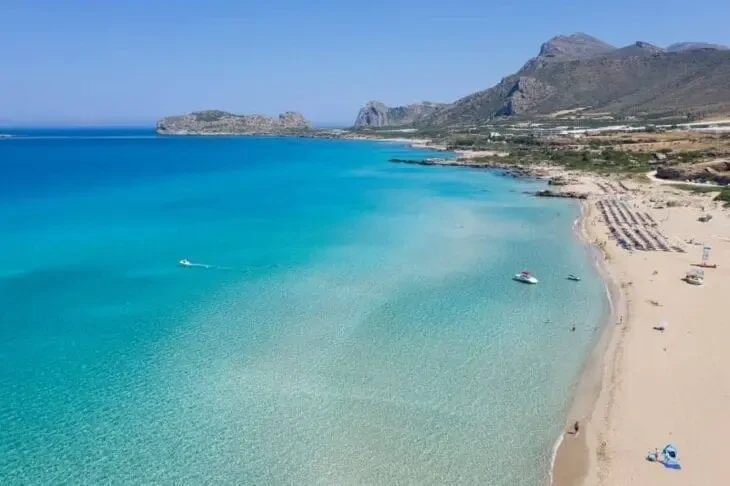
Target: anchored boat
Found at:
526, 277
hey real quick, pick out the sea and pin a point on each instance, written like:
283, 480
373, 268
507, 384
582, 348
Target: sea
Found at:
347, 320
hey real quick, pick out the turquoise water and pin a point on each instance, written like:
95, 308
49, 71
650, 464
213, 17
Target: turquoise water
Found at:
358, 324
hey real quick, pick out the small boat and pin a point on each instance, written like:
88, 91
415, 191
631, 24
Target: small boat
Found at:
525, 277
574, 278
187, 263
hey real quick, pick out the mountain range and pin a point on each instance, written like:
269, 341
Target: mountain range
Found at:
582, 73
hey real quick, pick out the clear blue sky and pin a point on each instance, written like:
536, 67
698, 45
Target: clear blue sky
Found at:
132, 61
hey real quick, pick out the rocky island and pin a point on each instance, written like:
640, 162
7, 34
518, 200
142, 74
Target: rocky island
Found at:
216, 122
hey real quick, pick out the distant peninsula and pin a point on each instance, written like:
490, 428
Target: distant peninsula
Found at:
217, 122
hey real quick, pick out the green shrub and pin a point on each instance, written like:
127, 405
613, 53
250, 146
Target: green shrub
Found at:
724, 196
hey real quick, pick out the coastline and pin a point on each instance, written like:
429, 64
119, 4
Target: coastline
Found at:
638, 389
646, 383
415, 143
642, 387
571, 454
571, 461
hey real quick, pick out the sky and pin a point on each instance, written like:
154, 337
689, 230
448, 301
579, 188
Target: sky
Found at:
85, 62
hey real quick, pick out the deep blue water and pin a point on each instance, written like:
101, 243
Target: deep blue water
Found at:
358, 324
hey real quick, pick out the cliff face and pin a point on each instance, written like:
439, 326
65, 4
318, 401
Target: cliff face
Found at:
633, 80
376, 114
580, 71
221, 122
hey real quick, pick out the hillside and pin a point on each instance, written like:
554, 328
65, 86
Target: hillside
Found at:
631, 83
211, 122
376, 114
574, 46
580, 71
689, 46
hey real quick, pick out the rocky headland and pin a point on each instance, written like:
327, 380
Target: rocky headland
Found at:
377, 115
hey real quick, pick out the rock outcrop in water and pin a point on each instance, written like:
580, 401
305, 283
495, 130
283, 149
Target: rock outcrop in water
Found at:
212, 122
508, 169
561, 194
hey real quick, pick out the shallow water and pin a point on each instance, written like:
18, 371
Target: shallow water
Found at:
358, 325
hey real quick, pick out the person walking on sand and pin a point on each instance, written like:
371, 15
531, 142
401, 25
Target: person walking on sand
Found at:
576, 428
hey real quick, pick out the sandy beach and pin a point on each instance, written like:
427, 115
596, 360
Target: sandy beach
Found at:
645, 388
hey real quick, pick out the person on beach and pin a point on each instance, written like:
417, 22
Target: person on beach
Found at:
576, 428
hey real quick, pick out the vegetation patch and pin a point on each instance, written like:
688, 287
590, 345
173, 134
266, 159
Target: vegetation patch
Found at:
697, 189
724, 196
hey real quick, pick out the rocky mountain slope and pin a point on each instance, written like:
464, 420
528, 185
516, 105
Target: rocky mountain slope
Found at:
573, 72
376, 114
690, 46
574, 46
580, 71
221, 122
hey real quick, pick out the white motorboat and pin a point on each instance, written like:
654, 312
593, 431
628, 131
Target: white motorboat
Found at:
525, 277
187, 263
574, 278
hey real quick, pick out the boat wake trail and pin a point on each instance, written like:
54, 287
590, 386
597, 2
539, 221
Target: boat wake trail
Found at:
187, 263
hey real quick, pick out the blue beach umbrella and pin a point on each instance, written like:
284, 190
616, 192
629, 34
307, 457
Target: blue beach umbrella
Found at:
671, 457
